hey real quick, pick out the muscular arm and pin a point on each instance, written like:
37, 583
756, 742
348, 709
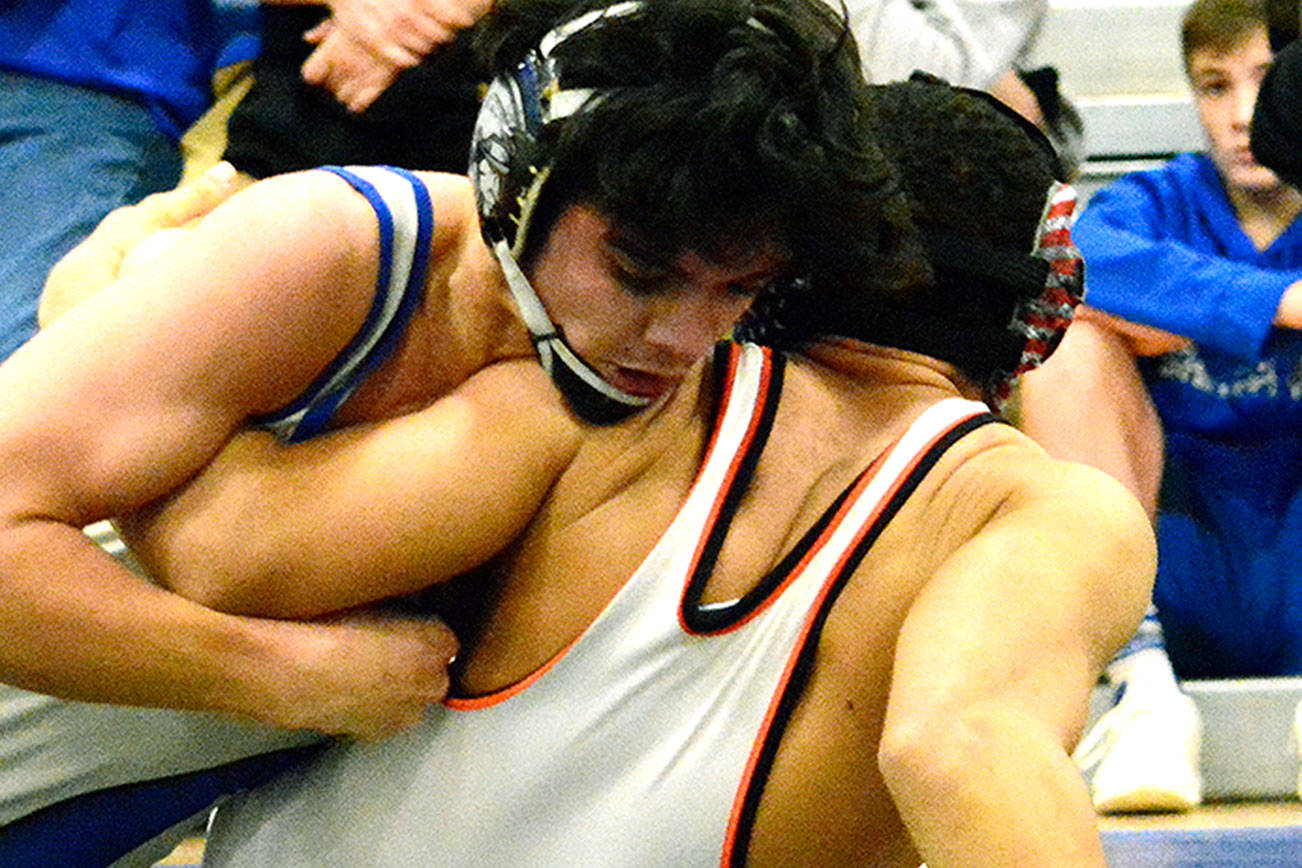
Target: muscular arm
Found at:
994, 667
368, 512
122, 400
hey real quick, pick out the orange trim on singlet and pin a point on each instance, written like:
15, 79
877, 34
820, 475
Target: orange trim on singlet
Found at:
496, 697
811, 617
488, 700
762, 398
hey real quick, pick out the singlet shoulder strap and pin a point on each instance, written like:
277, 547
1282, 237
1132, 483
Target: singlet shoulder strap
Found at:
862, 512
879, 493
749, 382
406, 218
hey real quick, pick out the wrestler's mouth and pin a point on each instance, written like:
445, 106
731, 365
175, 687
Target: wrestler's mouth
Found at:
643, 384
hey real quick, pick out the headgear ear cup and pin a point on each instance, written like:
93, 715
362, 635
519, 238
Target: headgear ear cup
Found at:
504, 150
1043, 319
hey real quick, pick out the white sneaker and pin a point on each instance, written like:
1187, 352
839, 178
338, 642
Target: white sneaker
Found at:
1147, 752
1297, 744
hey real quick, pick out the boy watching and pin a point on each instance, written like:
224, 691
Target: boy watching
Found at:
1182, 380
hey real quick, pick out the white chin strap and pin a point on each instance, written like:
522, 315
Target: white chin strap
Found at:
552, 348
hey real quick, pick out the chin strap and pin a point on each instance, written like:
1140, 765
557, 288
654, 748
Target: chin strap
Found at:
589, 396
518, 107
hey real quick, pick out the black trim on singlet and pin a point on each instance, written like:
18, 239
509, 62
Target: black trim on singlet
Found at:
804, 667
715, 619
700, 620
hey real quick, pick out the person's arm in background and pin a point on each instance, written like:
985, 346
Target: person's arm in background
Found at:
1089, 403
365, 44
996, 660
1141, 340
1013, 92
1134, 273
124, 398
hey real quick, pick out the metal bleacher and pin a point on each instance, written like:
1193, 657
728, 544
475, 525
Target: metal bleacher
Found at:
1120, 65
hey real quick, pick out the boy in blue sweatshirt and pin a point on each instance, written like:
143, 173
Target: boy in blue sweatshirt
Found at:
1184, 380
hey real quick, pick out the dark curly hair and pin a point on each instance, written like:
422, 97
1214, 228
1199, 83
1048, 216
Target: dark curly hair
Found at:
722, 124
975, 178
968, 166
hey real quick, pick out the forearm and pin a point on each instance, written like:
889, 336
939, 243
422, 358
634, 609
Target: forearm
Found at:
101, 634
366, 512
282, 531
230, 536
1090, 404
78, 625
1138, 275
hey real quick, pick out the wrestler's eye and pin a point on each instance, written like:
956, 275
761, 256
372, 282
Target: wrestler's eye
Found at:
636, 272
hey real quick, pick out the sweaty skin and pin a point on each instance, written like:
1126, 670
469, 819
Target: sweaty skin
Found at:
113, 439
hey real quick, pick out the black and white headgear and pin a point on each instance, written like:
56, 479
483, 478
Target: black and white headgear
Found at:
508, 175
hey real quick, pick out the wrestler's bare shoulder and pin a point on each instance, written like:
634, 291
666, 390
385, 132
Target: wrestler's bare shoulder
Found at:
997, 469
326, 200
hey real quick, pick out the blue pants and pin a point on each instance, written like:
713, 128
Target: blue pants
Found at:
1229, 574
68, 156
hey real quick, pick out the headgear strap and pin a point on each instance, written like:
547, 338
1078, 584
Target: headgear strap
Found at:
1043, 319
515, 109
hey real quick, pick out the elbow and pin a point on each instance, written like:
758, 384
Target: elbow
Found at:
928, 756
221, 572
919, 752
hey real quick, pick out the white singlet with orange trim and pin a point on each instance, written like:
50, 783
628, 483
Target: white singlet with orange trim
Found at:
646, 741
